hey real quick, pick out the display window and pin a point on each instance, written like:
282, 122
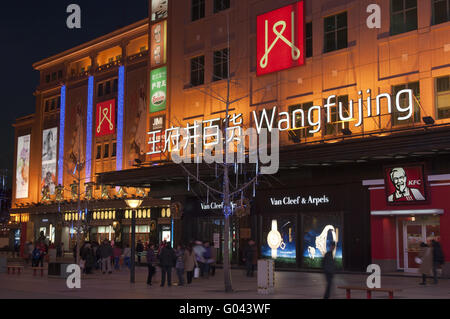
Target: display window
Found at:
319, 231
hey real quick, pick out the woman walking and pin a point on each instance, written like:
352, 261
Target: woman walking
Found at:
179, 265
190, 263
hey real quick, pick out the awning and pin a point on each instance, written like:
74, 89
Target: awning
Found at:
407, 212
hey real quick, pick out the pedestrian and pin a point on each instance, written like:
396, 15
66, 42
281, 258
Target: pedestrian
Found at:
106, 253
127, 256
35, 255
179, 266
88, 258
250, 257
213, 260
43, 250
207, 257
199, 251
151, 262
438, 258
139, 250
329, 266
190, 262
167, 260
117, 252
426, 264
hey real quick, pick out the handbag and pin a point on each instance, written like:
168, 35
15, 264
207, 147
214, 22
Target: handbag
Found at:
196, 272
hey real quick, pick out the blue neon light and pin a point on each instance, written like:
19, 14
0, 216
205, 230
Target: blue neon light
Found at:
90, 108
120, 109
62, 118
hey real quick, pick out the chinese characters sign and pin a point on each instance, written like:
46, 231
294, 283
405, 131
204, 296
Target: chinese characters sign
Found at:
159, 9
23, 166
106, 118
48, 177
280, 39
405, 184
158, 89
158, 44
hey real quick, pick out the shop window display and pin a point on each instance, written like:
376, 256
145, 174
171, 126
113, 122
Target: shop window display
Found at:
286, 253
319, 231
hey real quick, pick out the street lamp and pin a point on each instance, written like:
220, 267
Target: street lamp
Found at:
133, 204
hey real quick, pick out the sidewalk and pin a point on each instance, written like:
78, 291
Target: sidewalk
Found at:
289, 285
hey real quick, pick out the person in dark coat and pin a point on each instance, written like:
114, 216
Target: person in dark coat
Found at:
167, 259
329, 268
139, 250
250, 257
151, 262
438, 258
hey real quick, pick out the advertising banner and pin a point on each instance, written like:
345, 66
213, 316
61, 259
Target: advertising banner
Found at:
280, 39
23, 166
49, 144
105, 118
159, 9
158, 44
157, 123
283, 250
405, 184
319, 231
158, 89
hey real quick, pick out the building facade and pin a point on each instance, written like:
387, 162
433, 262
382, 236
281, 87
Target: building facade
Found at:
363, 115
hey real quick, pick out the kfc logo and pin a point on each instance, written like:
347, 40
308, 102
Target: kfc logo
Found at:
405, 184
106, 118
280, 39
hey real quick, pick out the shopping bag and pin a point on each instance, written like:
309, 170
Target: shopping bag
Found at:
196, 272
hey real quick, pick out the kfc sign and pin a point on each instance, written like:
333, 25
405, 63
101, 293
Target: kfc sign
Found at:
280, 39
405, 184
106, 118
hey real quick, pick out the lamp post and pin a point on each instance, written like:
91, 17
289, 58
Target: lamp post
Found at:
133, 204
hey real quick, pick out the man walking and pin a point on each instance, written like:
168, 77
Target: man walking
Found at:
106, 253
250, 257
167, 260
328, 266
151, 261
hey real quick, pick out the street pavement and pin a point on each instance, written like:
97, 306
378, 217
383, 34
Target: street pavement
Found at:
288, 285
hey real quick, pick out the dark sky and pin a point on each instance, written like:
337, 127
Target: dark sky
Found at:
33, 30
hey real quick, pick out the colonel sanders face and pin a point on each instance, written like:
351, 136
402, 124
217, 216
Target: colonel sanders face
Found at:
398, 178
159, 5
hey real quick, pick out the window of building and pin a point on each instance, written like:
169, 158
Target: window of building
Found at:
47, 78
220, 5
52, 105
309, 40
99, 152
106, 151
441, 11
60, 74
115, 85
198, 70
198, 9
47, 106
336, 126
443, 97
301, 122
54, 76
403, 16
414, 86
100, 89
220, 61
335, 28
114, 149
107, 88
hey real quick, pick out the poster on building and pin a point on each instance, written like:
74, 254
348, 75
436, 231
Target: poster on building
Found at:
285, 250
160, 9
157, 123
49, 149
105, 123
23, 166
158, 44
319, 231
405, 184
158, 89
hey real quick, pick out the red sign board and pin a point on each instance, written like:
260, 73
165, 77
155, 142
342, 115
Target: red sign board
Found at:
280, 39
405, 184
105, 118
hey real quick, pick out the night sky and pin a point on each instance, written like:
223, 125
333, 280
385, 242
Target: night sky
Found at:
33, 30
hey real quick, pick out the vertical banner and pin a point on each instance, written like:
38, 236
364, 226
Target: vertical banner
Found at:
158, 89
159, 9
105, 118
23, 166
158, 44
49, 142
